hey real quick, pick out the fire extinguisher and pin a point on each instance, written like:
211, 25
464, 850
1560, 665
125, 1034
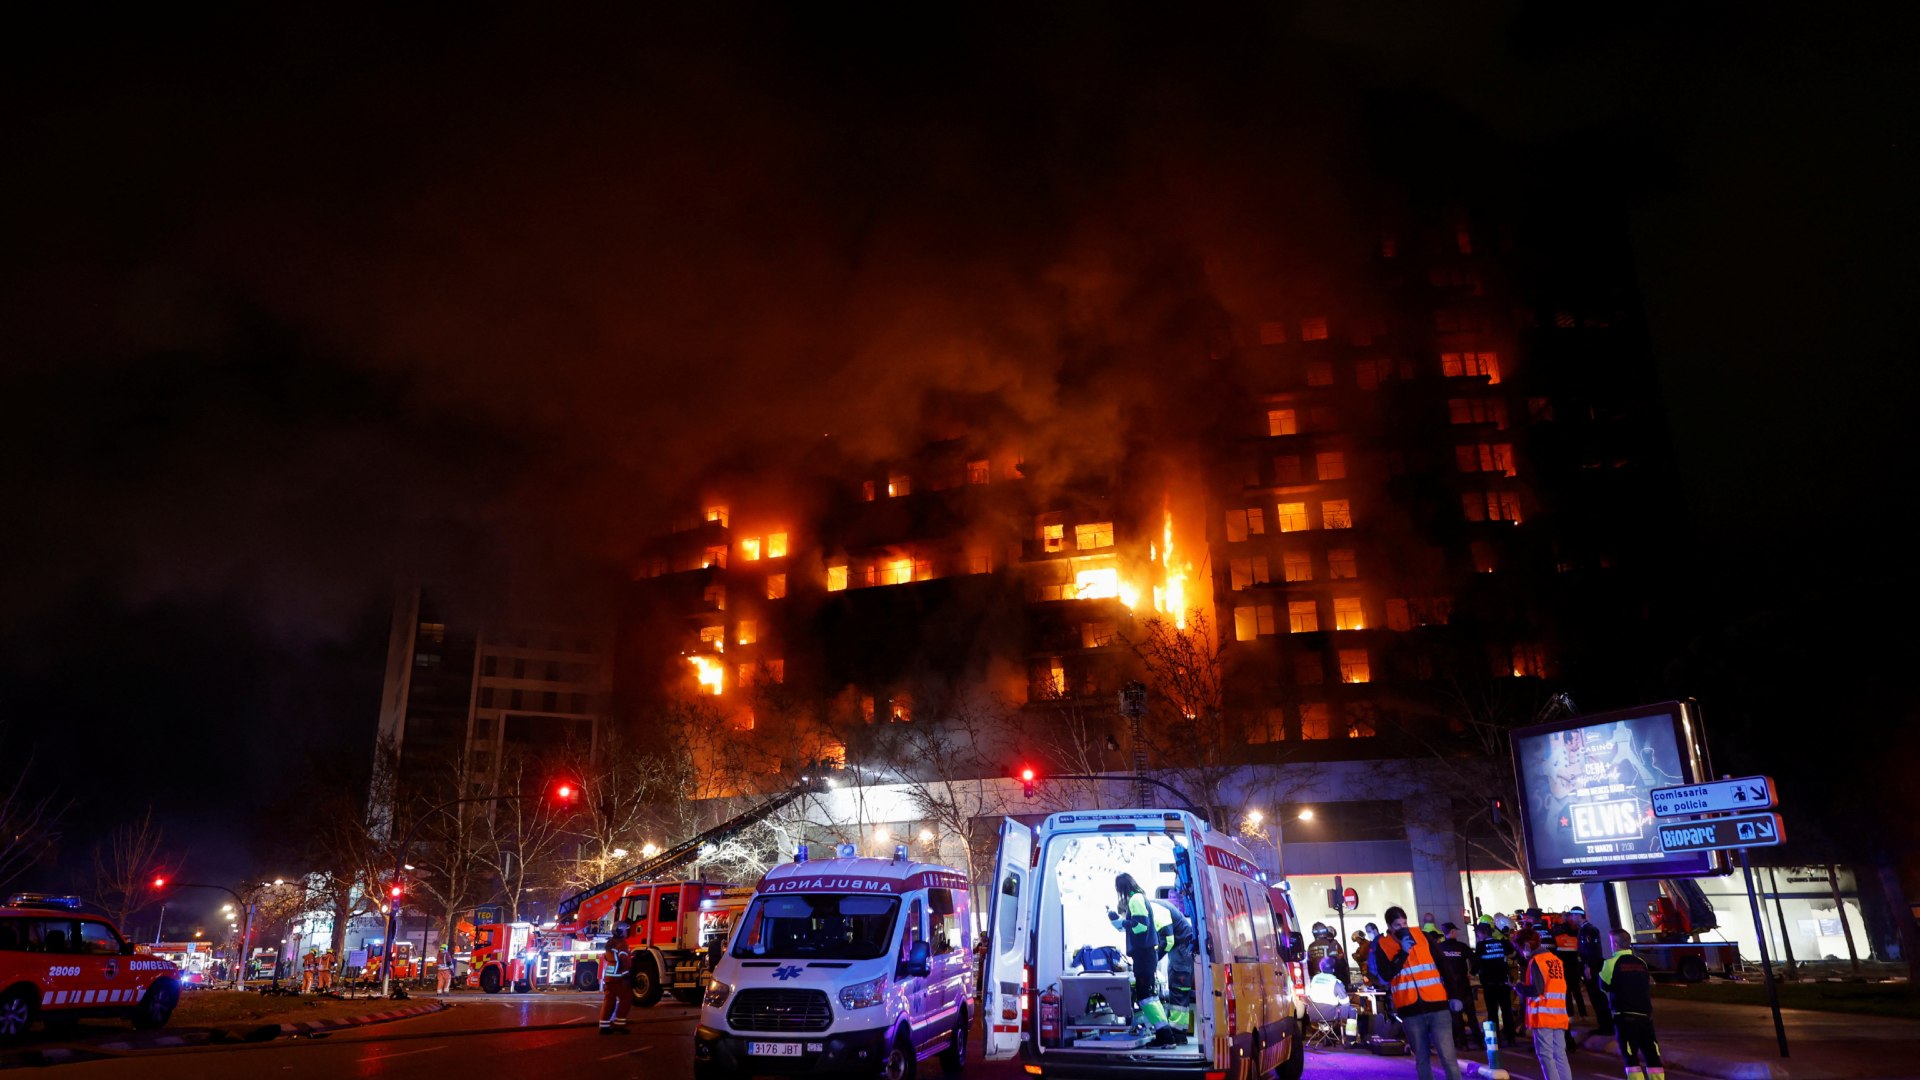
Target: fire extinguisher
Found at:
1050, 1017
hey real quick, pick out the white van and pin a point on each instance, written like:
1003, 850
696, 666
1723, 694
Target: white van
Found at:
1053, 994
845, 963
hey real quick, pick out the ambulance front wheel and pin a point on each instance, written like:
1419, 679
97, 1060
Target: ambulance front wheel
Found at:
490, 980
899, 1062
953, 1060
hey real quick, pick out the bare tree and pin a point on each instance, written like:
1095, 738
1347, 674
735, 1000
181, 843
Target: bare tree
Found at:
1191, 735
947, 758
124, 865
29, 821
525, 839
450, 859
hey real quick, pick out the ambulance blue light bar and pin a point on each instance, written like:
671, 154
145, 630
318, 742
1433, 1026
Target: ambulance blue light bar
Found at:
42, 900
800, 853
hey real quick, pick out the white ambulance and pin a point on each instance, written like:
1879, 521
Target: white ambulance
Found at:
1057, 989
848, 963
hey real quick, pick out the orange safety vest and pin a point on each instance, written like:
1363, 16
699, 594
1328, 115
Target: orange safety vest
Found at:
1548, 1010
1419, 980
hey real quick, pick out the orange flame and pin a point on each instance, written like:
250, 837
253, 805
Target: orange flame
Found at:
1170, 598
710, 672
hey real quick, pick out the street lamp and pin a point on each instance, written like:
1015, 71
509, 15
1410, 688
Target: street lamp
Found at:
1306, 814
649, 850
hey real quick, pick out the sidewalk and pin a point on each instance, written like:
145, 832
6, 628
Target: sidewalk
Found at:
1736, 1042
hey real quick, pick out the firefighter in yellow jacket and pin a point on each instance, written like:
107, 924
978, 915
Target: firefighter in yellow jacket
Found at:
1404, 958
1545, 992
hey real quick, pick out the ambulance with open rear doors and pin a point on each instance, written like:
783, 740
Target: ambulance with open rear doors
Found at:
1054, 995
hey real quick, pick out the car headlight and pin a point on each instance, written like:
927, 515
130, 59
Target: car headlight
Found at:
717, 994
864, 995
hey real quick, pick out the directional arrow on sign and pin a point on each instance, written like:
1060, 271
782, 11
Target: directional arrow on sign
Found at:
1718, 834
1713, 797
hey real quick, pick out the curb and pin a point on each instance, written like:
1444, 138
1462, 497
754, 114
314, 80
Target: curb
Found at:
268, 1032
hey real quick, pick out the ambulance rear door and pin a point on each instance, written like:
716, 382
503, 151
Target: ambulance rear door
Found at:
1004, 991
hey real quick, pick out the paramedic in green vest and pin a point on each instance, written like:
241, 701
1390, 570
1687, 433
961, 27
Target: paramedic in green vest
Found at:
1135, 919
1177, 941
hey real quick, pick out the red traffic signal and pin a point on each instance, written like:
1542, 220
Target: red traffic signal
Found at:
1027, 780
160, 883
395, 891
565, 792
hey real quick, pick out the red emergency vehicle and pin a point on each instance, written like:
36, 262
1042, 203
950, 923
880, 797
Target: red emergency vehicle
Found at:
58, 964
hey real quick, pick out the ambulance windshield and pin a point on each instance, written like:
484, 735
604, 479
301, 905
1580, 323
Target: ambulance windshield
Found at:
817, 926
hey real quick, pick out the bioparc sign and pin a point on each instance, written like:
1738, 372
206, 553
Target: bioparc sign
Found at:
1585, 788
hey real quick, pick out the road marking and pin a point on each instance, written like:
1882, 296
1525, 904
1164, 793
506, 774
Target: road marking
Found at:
627, 1053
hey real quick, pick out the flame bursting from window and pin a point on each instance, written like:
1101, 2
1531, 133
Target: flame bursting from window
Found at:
1170, 598
710, 672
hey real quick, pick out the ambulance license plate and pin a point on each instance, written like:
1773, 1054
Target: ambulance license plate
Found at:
773, 1049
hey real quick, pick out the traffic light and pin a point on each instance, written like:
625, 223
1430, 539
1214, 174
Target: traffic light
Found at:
1027, 780
395, 891
1498, 807
160, 882
565, 792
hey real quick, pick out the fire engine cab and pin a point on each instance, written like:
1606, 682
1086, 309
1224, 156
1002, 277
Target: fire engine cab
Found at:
59, 965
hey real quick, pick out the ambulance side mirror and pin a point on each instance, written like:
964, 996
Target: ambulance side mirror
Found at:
916, 964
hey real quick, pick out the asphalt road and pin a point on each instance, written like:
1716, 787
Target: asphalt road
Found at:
554, 1036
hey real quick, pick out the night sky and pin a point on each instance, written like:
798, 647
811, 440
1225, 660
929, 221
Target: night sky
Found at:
300, 305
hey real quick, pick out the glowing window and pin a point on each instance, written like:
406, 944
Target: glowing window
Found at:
750, 549
1287, 471
715, 556
923, 569
716, 597
776, 586
1316, 720
1282, 422
743, 675
1347, 614
867, 490
1309, 669
776, 670
1101, 584
1320, 373
1251, 621
1097, 535
1354, 667
900, 709
1336, 514
776, 545
1484, 559
979, 562
1342, 564
895, 572
1503, 506
1331, 465
836, 578
1242, 523
866, 707
1529, 661
979, 471
1468, 364
1053, 537
899, 484
1273, 333
1313, 328
1477, 411
1297, 566
1398, 617
655, 566
1269, 727
1303, 616
715, 636
1360, 720
718, 515
1249, 571
1293, 517
746, 632
1096, 635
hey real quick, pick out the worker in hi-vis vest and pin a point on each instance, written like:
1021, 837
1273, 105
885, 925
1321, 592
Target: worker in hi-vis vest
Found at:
1404, 958
1140, 920
1545, 992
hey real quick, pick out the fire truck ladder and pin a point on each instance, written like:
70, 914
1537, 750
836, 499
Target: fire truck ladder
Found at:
681, 854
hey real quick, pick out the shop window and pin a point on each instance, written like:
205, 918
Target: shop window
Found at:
1242, 523
980, 471
1282, 422
750, 549
1313, 328
1303, 616
1287, 471
1354, 666
1398, 615
1336, 514
1320, 373
1341, 563
836, 578
1273, 333
1309, 669
1331, 465
1316, 720
1347, 614
1053, 537
1293, 517
776, 586
1093, 537
1297, 566
1252, 621
1248, 572
746, 632
899, 484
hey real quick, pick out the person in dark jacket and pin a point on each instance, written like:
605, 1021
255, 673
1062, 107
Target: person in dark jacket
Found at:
1592, 955
1455, 960
1492, 953
1628, 981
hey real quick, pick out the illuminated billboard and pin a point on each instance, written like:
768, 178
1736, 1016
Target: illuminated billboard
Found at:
1583, 793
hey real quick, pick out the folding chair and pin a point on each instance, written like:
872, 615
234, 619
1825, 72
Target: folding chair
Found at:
1325, 1027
